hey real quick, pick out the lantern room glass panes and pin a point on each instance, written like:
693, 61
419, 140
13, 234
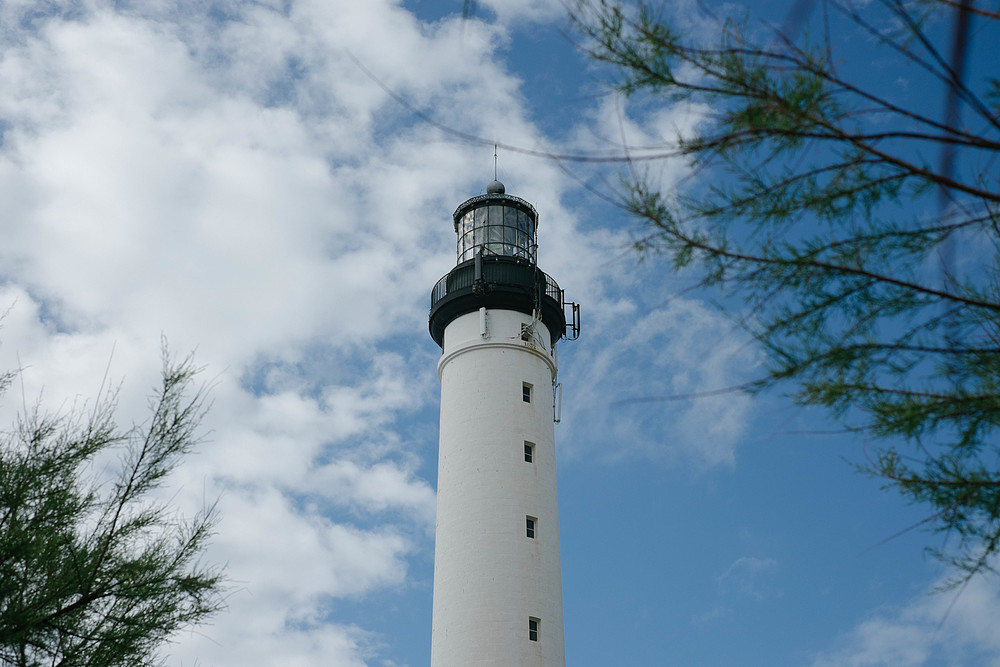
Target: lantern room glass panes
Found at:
497, 229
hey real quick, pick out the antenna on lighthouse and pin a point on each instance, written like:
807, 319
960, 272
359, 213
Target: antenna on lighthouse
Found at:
494, 162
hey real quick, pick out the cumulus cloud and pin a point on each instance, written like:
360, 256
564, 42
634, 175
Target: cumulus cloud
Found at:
218, 178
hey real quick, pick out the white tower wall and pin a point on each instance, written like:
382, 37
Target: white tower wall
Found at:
490, 578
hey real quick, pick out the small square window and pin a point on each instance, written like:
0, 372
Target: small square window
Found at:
529, 452
533, 629
526, 392
529, 524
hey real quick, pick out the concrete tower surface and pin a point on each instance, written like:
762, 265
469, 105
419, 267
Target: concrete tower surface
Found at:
497, 318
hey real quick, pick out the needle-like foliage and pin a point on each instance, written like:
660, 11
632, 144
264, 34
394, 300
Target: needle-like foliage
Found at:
94, 570
857, 221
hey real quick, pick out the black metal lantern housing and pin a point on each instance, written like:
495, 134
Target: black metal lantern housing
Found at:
497, 266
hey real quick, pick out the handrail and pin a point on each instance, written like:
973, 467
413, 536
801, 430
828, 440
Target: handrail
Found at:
507, 273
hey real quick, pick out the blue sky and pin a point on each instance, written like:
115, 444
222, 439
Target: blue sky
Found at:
224, 174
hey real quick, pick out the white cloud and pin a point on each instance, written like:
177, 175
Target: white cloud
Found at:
955, 628
377, 488
510, 12
748, 576
617, 127
679, 349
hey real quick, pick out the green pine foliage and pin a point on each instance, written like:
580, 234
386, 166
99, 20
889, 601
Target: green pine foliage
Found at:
860, 228
94, 571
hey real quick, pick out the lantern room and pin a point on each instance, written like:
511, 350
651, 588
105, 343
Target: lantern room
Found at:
497, 269
496, 224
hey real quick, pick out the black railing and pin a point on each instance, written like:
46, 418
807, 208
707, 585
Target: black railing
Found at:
552, 289
507, 273
497, 282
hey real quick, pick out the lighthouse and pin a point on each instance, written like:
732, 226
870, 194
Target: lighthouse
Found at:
497, 318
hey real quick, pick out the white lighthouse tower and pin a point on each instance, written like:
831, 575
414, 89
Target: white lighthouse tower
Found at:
497, 318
